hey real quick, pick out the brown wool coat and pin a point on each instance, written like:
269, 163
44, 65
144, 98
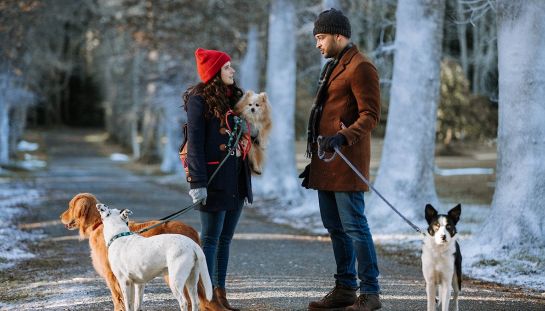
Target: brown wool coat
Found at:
352, 108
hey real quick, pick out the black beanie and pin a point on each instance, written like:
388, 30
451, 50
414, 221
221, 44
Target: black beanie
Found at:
332, 22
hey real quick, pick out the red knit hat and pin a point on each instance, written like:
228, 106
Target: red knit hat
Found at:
209, 62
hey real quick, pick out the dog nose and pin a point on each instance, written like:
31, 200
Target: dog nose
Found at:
252, 110
444, 237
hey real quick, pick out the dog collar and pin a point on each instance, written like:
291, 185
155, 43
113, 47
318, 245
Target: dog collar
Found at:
95, 226
119, 235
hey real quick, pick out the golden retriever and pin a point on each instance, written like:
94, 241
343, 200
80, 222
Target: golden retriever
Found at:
83, 215
256, 110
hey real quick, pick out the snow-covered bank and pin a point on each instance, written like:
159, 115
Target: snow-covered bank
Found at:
14, 197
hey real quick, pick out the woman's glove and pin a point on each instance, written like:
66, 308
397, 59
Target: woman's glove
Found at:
199, 194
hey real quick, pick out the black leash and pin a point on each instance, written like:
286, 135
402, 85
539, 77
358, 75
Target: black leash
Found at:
321, 155
230, 151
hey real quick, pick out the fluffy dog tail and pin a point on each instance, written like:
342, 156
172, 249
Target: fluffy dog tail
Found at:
203, 272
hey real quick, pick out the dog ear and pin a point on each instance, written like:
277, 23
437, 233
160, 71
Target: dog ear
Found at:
239, 106
246, 96
455, 213
101, 207
430, 213
263, 97
84, 205
125, 214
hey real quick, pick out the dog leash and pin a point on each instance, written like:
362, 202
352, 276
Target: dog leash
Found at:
321, 155
231, 150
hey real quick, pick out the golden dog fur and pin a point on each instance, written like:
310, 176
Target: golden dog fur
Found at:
83, 215
256, 110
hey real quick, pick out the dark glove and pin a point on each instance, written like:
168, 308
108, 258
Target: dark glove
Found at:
330, 142
305, 175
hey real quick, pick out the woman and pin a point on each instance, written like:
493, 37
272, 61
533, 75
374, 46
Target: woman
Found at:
209, 121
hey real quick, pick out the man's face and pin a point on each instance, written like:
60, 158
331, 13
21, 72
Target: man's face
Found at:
327, 44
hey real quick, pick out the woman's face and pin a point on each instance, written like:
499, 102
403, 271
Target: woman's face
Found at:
227, 74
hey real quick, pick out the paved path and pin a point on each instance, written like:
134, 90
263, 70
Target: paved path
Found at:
272, 267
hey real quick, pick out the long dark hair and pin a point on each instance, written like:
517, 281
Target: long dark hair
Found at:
218, 96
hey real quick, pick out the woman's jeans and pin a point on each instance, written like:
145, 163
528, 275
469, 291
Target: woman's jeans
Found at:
343, 217
217, 230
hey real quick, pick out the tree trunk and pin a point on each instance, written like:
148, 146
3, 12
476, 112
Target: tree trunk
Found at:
461, 27
515, 228
4, 133
249, 66
137, 63
279, 178
17, 125
172, 118
405, 176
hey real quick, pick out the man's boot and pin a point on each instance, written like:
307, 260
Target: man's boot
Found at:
222, 298
366, 302
336, 300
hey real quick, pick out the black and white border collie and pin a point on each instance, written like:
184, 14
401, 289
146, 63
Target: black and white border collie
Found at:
441, 258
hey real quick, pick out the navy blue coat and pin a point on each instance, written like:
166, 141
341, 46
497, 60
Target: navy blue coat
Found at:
205, 151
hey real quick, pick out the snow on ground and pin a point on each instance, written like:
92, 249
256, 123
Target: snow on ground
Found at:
119, 157
14, 197
31, 163
520, 270
24, 145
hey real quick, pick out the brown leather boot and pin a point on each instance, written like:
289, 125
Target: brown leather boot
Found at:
366, 302
212, 305
222, 298
336, 300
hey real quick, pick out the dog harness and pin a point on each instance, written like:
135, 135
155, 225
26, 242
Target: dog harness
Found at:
119, 235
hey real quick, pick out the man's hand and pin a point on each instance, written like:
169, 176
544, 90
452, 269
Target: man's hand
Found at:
330, 142
305, 175
199, 194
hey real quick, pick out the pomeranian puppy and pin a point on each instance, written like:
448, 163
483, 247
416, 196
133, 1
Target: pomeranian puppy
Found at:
256, 110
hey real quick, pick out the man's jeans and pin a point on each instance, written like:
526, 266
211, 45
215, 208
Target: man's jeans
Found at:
217, 232
343, 217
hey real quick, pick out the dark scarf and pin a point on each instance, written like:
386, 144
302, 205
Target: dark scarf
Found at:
317, 106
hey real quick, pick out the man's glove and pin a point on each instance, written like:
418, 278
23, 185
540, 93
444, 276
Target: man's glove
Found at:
305, 175
199, 194
330, 142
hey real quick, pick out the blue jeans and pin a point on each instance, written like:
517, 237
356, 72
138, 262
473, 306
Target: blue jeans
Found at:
217, 230
343, 217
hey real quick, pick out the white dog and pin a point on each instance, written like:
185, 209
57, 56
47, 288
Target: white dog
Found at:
442, 258
136, 260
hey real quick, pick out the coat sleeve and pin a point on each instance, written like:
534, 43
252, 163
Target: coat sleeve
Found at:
196, 131
365, 88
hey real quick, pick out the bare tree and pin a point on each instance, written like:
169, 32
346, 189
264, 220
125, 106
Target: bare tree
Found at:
405, 175
280, 175
515, 228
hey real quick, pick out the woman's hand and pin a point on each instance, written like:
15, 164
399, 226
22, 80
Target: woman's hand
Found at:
199, 194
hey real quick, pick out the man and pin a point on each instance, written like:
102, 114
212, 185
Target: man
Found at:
345, 110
